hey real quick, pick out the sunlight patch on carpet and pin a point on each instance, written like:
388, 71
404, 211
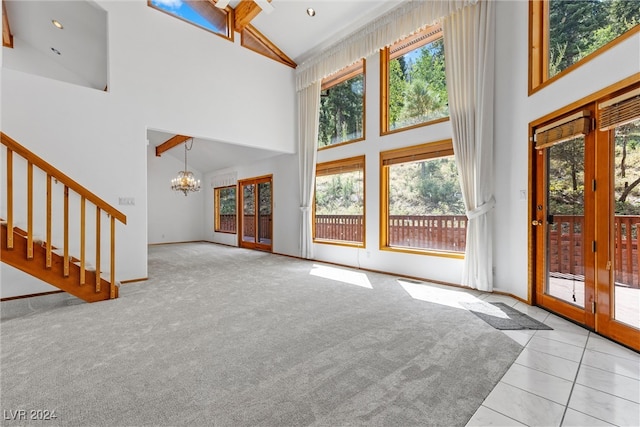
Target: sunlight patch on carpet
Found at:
450, 297
341, 275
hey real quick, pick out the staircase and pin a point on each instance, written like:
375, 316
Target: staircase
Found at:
39, 257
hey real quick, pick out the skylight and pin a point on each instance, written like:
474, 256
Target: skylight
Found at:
201, 13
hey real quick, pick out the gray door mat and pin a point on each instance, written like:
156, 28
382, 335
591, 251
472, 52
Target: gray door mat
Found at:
501, 316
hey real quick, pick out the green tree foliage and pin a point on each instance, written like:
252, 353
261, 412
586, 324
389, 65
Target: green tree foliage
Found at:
265, 198
566, 178
227, 201
417, 86
429, 187
566, 173
340, 194
341, 112
396, 89
579, 27
429, 67
249, 198
623, 15
439, 186
627, 172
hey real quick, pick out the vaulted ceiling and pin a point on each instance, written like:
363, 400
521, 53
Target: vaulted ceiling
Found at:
287, 25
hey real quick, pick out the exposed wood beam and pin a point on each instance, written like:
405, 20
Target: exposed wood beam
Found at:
256, 41
7, 37
170, 143
245, 11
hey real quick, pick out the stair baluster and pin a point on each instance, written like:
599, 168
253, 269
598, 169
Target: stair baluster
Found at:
29, 210
98, 234
49, 247
9, 197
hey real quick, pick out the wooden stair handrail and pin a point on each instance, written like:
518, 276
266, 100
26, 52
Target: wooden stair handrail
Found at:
65, 264
55, 173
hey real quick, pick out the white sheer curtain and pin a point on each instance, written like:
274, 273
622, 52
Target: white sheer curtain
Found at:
308, 118
469, 51
409, 17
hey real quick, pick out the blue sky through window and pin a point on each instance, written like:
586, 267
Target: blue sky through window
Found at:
182, 10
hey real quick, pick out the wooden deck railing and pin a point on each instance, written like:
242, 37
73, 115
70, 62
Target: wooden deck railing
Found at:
228, 223
626, 251
565, 246
438, 232
102, 208
249, 227
566, 249
346, 228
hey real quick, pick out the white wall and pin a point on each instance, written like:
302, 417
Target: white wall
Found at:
196, 82
164, 74
14, 282
173, 217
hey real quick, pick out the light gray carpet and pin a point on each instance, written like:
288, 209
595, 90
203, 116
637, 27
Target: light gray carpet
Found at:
230, 337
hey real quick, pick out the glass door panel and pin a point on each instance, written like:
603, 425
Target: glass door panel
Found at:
248, 212
563, 229
565, 238
626, 224
264, 221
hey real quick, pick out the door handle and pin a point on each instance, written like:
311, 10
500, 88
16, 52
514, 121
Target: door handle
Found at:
536, 222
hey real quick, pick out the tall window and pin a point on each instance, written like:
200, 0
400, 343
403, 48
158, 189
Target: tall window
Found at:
225, 209
339, 206
198, 12
342, 107
564, 34
422, 205
414, 91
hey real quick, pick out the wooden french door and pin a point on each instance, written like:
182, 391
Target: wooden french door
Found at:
585, 217
563, 218
256, 209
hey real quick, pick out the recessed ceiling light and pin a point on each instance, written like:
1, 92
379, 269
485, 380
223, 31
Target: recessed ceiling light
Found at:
311, 12
56, 51
57, 24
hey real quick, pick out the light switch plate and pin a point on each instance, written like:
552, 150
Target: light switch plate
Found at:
126, 201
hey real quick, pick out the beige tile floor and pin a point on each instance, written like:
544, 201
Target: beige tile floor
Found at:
565, 377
